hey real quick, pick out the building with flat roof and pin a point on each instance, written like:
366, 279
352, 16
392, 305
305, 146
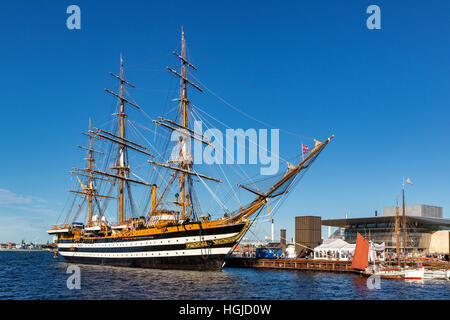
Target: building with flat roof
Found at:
418, 210
423, 224
308, 234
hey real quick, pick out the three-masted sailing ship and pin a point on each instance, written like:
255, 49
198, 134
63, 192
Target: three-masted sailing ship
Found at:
169, 234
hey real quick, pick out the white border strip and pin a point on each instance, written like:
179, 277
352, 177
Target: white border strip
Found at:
149, 254
178, 240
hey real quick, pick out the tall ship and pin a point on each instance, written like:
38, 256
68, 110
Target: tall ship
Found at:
170, 229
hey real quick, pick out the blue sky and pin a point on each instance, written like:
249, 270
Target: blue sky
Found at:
312, 68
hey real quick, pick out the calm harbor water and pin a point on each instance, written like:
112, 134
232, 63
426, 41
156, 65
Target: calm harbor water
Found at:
36, 275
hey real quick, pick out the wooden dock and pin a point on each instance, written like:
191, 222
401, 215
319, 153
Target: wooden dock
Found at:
309, 264
290, 264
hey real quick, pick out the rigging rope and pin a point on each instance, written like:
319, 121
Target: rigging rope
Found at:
242, 112
206, 121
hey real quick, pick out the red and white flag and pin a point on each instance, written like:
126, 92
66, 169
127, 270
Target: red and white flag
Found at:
304, 149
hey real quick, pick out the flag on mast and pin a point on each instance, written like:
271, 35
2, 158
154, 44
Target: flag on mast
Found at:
409, 181
304, 149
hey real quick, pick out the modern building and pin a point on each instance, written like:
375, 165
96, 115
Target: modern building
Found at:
308, 234
419, 210
426, 229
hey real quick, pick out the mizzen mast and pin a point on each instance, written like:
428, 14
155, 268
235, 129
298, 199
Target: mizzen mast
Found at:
90, 190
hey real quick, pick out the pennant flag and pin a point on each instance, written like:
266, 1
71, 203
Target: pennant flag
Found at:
409, 181
79, 206
304, 149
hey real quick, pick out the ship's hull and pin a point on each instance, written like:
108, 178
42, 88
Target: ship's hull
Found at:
195, 262
184, 249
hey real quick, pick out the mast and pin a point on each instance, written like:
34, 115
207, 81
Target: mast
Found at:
121, 165
397, 235
185, 198
184, 123
404, 221
91, 175
89, 191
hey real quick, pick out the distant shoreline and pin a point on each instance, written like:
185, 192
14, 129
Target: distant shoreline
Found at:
22, 250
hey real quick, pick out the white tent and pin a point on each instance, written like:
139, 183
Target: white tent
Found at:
338, 249
333, 249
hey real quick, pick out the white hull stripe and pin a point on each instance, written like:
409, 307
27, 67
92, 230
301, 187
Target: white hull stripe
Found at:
125, 244
154, 254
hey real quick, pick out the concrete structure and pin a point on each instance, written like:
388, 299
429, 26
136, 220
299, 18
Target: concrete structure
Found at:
308, 234
439, 242
283, 239
418, 210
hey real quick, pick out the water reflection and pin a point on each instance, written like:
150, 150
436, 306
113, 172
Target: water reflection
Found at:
38, 276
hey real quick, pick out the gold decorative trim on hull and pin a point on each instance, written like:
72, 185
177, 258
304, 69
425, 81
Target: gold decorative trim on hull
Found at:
205, 244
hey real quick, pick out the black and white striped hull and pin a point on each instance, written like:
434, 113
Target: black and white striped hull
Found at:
166, 251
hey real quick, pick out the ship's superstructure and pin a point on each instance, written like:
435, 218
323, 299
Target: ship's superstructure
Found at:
169, 234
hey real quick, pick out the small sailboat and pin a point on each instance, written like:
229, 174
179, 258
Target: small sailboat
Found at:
405, 272
360, 261
437, 274
413, 273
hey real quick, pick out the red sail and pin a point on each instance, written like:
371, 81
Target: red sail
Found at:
361, 256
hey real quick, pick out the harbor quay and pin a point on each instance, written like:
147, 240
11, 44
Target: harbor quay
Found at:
423, 237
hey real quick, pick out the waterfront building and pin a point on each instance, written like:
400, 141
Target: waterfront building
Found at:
308, 234
427, 231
